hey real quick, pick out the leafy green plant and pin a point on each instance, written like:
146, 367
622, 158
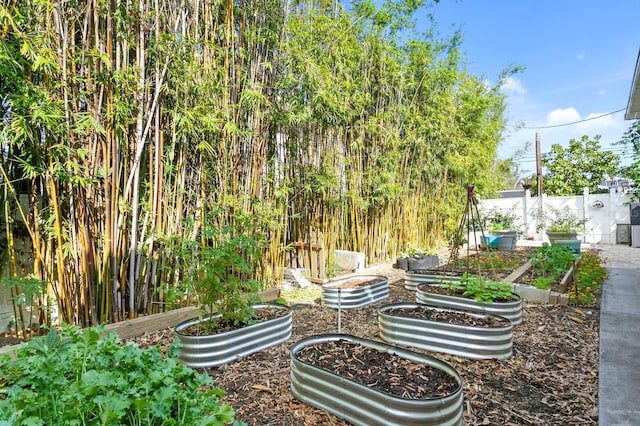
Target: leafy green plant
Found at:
481, 289
499, 219
228, 260
490, 261
552, 259
418, 252
544, 283
558, 220
498, 227
81, 377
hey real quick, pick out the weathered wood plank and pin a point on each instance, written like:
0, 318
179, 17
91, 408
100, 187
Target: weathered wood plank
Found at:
515, 275
150, 323
155, 322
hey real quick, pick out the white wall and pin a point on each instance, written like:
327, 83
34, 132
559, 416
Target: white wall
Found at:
604, 213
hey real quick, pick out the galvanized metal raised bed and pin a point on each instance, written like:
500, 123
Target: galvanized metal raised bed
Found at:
412, 279
355, 297
455, 339
511, 310
363, 405
217, 349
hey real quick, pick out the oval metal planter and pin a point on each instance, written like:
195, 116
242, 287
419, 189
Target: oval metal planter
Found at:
412, 280
363, 405
216, 349
507, 239
511, 310
355, 297
426, 261
455, 339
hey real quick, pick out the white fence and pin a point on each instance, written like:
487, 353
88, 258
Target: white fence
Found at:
608, 215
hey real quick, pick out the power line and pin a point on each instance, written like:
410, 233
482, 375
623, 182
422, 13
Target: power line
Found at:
574, 122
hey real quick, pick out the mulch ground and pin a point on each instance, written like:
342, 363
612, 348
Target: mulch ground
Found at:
551, 379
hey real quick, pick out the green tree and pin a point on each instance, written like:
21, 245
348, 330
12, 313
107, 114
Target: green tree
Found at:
583, 164
507, 173
631, 143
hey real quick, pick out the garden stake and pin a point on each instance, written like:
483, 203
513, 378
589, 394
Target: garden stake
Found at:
339, 310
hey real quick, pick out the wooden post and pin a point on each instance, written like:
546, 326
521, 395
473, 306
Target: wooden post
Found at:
538, 164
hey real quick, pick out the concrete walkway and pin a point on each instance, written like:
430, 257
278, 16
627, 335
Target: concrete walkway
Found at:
619, 375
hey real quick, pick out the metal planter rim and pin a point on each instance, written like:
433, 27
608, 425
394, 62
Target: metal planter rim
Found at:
512, 309
356, 297
213, 350
333, 284
456, 339
413, 280
363, 405
384, 308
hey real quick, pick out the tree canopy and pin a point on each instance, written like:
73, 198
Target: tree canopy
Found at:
583, 164
631, 142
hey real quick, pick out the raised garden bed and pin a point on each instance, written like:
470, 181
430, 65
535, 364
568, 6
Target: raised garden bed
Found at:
524, 285
386, 386
212, 350
413, 279
462, 333
355, 291
438, 295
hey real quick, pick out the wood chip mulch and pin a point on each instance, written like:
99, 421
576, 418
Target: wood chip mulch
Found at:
551, 379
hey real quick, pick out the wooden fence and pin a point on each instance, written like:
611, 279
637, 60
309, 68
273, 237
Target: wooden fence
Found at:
308, 256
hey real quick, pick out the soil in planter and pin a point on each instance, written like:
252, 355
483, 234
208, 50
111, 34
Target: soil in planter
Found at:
217, 326
449, 317
9, 340
381, 370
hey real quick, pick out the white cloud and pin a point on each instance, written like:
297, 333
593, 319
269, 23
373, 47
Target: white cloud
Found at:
514, 85
598, 124
562, 116
602, 92
580, 56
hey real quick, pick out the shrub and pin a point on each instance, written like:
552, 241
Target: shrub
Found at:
82, 377
224, 280
559, 220
499, 219
223, 284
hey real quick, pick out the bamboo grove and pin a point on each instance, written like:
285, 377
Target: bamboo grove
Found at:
126, 123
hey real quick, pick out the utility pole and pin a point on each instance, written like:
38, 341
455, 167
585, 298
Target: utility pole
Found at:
538, 165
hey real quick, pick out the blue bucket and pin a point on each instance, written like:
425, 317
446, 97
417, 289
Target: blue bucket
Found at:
574, 245
491, 241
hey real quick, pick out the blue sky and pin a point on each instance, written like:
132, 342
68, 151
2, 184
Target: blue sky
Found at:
579, 58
